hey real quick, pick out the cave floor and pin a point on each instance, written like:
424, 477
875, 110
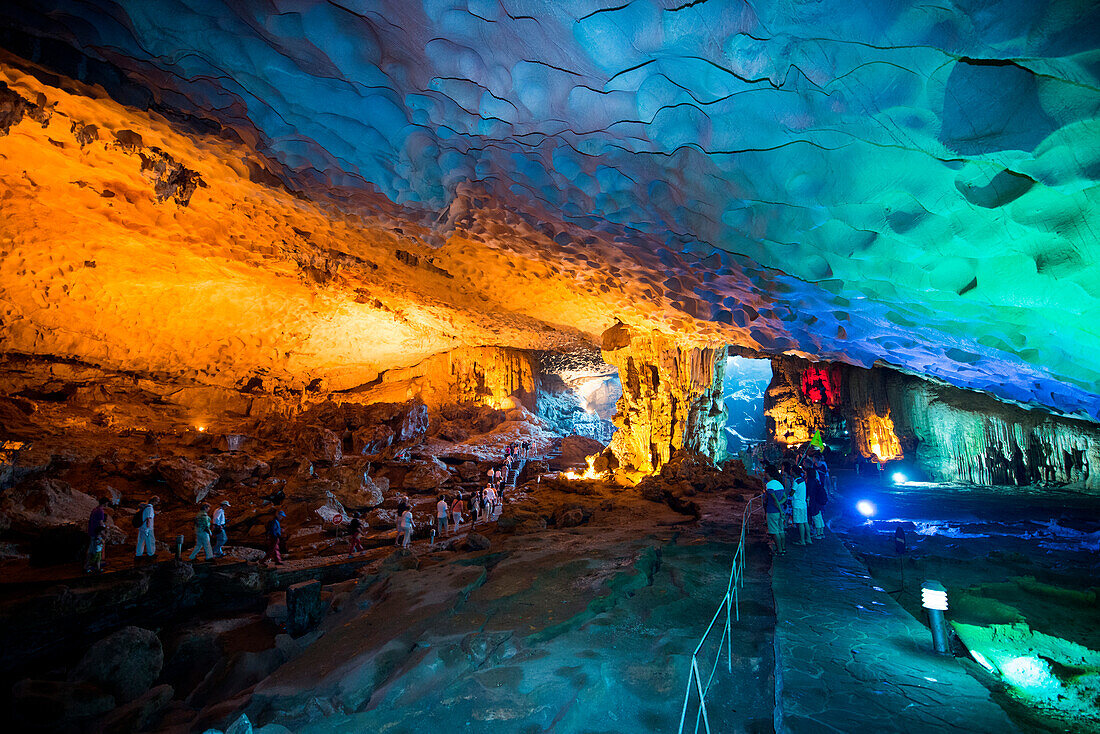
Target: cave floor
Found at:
850, 657
587, 628
1021, 568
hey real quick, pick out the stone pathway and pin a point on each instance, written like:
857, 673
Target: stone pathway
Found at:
849, 658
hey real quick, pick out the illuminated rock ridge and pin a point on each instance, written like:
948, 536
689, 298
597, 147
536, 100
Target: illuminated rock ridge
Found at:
900, 182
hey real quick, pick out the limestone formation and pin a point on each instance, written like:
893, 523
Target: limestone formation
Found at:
950, 434
188, 481
672, 399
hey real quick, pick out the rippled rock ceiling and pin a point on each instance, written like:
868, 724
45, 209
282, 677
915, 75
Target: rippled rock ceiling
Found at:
311, 190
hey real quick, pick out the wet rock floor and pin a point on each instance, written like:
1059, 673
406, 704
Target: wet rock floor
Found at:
1021, 568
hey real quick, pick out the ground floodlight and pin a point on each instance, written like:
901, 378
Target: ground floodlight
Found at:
933, 597
981, 660
899, 478
866, 508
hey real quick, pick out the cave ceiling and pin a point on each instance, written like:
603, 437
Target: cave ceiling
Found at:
320, 190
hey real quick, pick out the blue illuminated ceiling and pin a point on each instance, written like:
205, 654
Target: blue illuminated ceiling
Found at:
900, 181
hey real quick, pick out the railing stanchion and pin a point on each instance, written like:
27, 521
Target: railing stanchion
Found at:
731, 598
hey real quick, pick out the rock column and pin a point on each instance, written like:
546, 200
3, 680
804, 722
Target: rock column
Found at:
672, 399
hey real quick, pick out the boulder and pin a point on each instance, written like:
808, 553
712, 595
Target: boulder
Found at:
354, 488
379, 519
45, 503
469, 471
570, 517
276, 609
487, 419
384, 412
575, 449
125, 664
304, 607
426, 476
319, 444
236, 467
232, 442
371, 440
140, 713
189, 482
241, 725
233, 674
477, 542
453, 432
61, 706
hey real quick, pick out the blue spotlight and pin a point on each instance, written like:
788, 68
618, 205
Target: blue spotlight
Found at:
899, 478
866, 508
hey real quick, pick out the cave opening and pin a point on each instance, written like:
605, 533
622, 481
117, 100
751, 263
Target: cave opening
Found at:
578, 394
743, 387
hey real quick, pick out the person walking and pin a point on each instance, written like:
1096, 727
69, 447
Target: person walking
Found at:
799, 508
774, 500
218, 535
442, 511
817, 495
202, 534
458, 507
475, 506
146, 540
490, 502
405, 527
401, 505
355, 532
97, 531
274, 538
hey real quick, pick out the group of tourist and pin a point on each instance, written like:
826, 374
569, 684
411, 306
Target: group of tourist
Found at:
211, 534
795, 493
514, 452
450, 514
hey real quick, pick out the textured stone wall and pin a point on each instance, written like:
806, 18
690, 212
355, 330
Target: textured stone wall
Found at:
672, 399
950, 434
971, 437
489, 375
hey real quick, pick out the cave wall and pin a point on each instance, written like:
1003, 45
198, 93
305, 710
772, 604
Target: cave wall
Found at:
950, 434
490, 375
972, 437
672, 399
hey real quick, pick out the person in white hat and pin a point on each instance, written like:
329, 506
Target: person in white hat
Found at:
220, 535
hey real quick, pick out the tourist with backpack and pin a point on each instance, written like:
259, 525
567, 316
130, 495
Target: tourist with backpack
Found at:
97, 530
274, 538
202, 534
143, 521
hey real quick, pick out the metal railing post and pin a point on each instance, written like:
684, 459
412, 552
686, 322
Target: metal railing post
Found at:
736, 581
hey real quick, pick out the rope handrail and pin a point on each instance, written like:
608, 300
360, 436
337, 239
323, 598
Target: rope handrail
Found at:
731, 602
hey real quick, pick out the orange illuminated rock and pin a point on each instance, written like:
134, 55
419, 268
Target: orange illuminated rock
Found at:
672, 399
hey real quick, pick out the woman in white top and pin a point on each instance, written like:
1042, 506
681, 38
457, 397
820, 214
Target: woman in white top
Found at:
490, 501
441, 513
798, 507
405, 527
